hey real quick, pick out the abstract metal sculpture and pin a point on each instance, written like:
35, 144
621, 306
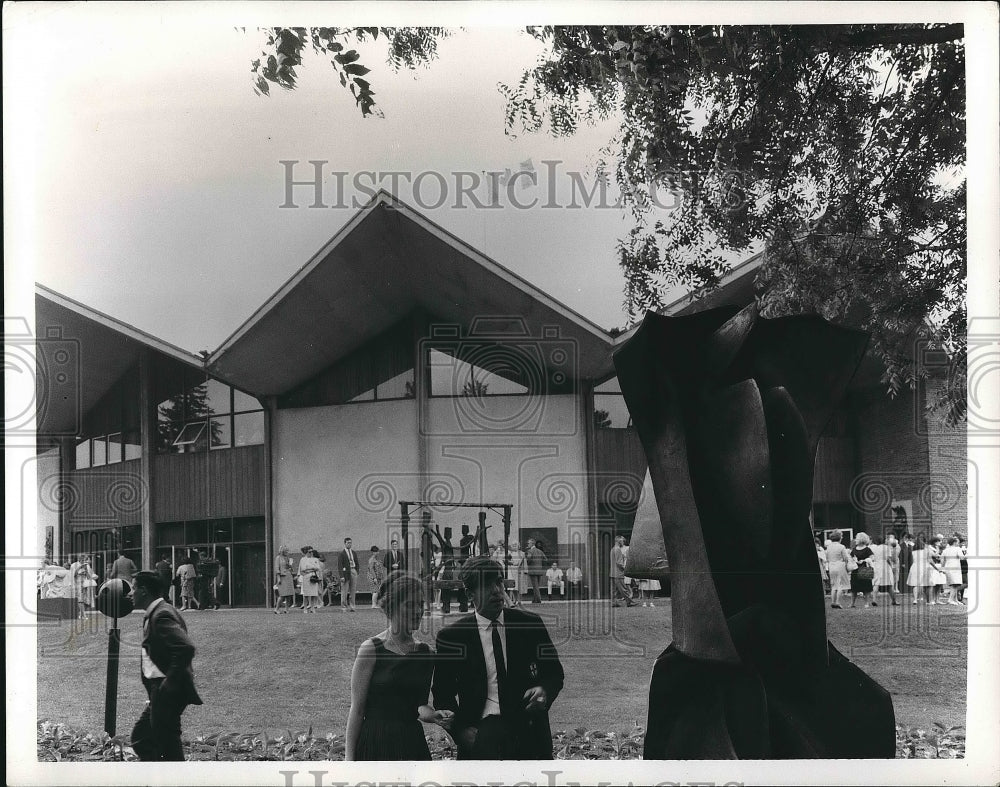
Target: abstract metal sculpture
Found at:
729, 408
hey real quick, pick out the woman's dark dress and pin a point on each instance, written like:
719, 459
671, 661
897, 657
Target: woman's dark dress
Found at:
399, 686
860, 585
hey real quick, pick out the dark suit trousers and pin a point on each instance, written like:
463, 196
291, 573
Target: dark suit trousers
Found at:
157, 733
497, 739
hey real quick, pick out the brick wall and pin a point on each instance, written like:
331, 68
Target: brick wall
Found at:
948, 490
892, 460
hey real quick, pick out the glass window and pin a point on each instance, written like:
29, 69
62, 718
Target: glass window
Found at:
196, 402
100, 451
243, 402
399, 387
221, 432
608, 386
132, 537
83, 454
133, 447
190, 434
217, 397
453, 377
114, 448
248, 529
221, 530
610, 412
367, 396
248, 428
170, 534
197, 532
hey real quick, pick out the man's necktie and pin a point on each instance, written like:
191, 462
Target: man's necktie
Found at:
499, 659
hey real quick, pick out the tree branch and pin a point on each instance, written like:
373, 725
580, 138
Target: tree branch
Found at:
890, 36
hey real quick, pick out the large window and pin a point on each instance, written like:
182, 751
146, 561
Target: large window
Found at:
111, 428
610, 411
197, 413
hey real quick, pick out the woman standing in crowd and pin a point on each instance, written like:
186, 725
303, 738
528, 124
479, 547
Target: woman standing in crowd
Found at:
284, 585
518, 572
951, 565
861, 577
376, 574
821, 557
919, 577
934, 547
391, 681
884, 580
310, 580
836, 561
892, 551
84, 582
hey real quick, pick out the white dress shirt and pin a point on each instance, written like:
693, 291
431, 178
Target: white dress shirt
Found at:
492, 706
149, 670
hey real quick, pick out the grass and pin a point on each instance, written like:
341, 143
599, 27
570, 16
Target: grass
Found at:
258, 671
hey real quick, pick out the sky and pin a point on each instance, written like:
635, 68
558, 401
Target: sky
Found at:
157, 174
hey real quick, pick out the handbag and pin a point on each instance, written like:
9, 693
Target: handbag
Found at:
866, 572
852, 563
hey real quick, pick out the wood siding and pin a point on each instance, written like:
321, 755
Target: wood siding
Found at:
105, 496
208, 485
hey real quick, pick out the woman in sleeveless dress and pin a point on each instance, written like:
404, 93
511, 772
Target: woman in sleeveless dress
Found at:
391, 681
862, 585
836, 562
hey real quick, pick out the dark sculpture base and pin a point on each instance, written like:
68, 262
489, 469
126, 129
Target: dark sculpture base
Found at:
708, 711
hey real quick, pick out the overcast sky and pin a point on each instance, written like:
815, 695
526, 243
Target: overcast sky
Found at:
157, 180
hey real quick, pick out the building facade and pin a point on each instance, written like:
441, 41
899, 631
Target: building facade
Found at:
398, 365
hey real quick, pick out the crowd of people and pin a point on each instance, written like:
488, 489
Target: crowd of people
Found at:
933, 569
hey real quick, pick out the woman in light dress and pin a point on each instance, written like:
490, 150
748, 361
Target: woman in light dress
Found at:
310, 580
836, 562
921, 576
84, 582
376, 573
951, 567
284, 583
884, 579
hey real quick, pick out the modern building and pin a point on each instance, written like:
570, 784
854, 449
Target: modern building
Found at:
398, 365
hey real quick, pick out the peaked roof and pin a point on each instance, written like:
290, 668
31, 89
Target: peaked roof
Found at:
81, 352
386, 262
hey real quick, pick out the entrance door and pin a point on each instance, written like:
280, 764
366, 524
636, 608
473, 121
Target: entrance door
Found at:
248, 575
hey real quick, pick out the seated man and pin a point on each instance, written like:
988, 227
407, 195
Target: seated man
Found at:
574, 580
554, 578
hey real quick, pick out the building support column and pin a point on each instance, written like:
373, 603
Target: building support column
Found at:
270, 406
592, 546
147, 438
62, 542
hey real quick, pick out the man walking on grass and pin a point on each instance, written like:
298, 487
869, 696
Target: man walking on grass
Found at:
166, 673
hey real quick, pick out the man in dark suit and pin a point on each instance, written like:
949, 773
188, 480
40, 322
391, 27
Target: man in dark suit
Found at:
166, 657
498, 671
122, 568
393, 559
905, 561
347, 562
165, 572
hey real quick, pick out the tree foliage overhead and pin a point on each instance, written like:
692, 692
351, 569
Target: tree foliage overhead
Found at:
409, 47
837, 150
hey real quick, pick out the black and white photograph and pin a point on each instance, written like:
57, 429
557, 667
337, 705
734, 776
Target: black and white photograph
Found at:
492, 393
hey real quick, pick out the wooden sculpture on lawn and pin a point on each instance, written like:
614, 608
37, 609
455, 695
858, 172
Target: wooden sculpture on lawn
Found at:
729, 407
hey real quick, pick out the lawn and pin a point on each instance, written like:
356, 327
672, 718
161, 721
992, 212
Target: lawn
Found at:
256, 670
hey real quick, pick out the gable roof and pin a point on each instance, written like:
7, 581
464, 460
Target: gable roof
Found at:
80, 354
386, 262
